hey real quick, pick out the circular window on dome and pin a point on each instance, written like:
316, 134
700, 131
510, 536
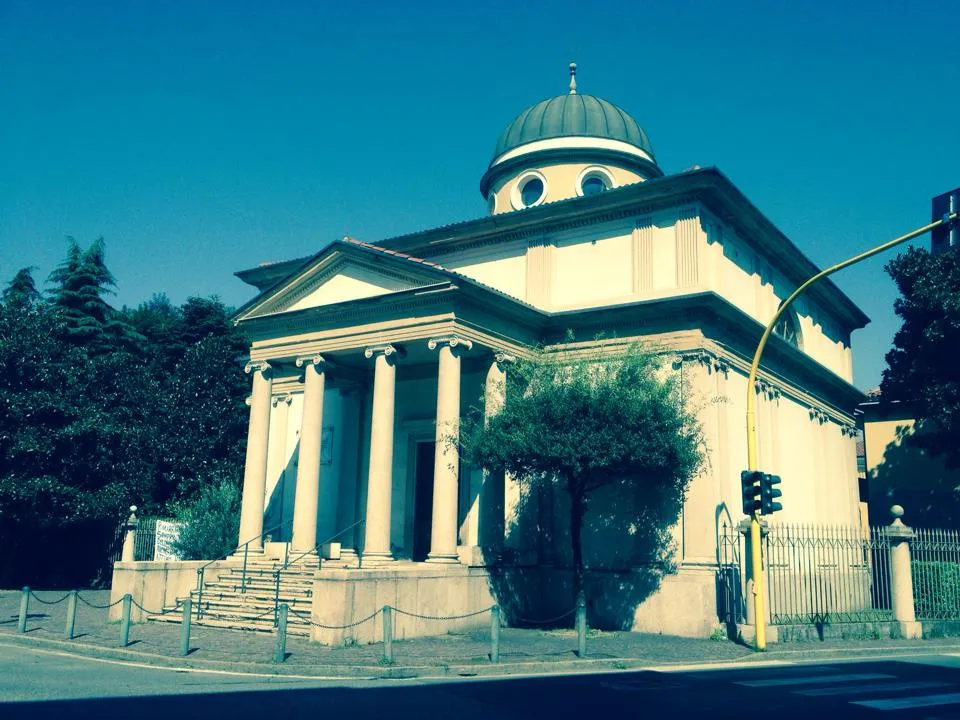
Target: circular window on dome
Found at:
594, 181
530, 190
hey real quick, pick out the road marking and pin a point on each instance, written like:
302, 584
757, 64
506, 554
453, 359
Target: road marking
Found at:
781, 682
872, 687
910, 702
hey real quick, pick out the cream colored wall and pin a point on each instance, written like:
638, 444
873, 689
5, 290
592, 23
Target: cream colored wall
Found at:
502, 266
877, 436
561, 182
350, 283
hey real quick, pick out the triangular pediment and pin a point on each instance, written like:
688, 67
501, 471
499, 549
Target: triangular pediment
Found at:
338, 275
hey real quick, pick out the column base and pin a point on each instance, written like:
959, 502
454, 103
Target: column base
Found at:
374, 559
443, 559
910, 629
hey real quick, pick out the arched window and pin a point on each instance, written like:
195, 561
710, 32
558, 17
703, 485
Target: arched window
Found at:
788, 328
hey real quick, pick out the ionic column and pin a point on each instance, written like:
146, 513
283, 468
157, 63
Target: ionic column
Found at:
376, 546
446, 464
255, 468
308, 468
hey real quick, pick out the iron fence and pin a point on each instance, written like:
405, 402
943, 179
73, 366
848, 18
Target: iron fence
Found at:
935, 566
815, 574
145, 539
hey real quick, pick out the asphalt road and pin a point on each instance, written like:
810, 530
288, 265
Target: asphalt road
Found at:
40, 684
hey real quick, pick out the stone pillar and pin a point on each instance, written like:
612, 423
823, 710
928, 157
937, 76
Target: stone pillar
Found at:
901, 576
446, 464
746, 568
130, 538
376, 546
308, 465
255, 469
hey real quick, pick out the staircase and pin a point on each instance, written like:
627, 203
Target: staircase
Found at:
230, 601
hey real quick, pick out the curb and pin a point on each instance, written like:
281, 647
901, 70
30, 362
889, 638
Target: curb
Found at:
459, 671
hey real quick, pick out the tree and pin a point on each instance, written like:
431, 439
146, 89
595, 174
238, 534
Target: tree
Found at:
22, 291
613, 422
81, 284
922, 367
210, 522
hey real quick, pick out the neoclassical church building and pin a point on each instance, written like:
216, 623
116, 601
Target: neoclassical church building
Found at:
366, 353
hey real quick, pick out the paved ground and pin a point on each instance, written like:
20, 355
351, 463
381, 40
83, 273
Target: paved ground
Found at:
521, 650
40, 684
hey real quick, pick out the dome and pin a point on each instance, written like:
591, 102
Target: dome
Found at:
572, 115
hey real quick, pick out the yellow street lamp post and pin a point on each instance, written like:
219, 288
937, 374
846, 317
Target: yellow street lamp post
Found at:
756, 559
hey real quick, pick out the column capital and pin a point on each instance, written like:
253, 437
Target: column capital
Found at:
261, 366
454, 341
282, 398
388, 350
317, 360
504, 358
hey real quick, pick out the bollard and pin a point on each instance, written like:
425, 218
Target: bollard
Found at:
280, 651
125, 620
24, 607
581, 628
387, 634
185, 627
495, 634
71, 616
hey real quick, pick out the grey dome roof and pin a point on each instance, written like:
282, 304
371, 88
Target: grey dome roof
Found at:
573, 116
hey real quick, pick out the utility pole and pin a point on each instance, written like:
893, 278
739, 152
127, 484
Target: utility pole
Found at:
756, 558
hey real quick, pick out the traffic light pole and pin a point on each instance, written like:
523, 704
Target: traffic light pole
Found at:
756, 558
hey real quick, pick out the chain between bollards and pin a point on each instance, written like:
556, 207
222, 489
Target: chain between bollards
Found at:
71, 624
387, 634
280, 650
125, 620
185, 627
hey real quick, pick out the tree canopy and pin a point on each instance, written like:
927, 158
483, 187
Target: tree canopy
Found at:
95, 404
922, 368
619, 423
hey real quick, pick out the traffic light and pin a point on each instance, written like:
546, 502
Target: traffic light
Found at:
769, 494
750, 489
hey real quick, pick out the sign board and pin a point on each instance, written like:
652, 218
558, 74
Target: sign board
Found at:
167, 533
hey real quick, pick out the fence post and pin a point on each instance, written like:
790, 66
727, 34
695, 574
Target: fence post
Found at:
581, 628
185, 627
280, 651
24, 608
387, 634
495, 634
901, 576
125, 620
71, 616
130, 538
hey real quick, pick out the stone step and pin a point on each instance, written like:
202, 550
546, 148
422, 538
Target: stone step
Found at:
266, 626
240, 612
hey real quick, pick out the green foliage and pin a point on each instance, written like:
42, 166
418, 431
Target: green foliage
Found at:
922, 366
617, 423
936, 589
210, 522
95, 416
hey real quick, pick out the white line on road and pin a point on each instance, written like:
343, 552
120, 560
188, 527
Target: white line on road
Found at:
872, 687
782, 682
910, 702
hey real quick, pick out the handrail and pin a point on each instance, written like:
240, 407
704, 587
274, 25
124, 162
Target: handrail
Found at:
244, 545
288, 562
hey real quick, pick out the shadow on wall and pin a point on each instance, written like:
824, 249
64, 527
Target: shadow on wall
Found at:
908, 476
278, 513
627, 548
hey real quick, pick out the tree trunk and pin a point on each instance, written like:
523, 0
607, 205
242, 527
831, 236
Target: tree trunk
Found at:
577, 509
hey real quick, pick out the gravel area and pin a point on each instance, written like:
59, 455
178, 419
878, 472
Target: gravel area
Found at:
516, 645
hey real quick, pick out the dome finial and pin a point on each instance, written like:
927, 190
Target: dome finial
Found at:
573, 78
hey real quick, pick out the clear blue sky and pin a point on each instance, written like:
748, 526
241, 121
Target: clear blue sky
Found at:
200, 138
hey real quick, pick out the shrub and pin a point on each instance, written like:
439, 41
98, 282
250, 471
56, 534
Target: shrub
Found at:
210, 523
936, 589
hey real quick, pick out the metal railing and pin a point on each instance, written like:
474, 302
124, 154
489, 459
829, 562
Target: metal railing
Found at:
935, 566
815, 574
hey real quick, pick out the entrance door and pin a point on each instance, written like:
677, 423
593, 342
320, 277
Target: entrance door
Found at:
423, 500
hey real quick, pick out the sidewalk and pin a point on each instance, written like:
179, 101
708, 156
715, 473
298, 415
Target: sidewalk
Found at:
521, 651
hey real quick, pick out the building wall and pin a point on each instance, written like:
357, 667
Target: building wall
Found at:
665, 253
